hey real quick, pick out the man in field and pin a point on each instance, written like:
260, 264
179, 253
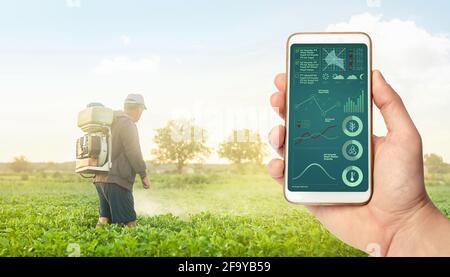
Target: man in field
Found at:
115, 187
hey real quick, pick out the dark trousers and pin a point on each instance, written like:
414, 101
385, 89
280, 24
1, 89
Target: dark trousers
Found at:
116, 203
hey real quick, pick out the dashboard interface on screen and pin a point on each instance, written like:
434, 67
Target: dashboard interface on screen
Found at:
328, 118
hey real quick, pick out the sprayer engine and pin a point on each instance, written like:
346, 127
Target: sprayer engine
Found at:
93, 150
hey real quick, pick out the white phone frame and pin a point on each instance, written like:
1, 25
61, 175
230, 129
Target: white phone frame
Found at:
330, 198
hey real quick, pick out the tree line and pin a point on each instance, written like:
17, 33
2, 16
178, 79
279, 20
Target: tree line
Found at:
182, 141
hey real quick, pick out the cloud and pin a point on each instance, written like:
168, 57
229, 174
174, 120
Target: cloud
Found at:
417, 64
123, 64
73, 3
126, 40
373, 3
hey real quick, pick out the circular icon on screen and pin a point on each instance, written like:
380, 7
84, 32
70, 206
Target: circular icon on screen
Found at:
352, 150
352, 126
352, 176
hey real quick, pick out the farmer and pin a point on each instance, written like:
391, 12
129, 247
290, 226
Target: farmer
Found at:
115, 187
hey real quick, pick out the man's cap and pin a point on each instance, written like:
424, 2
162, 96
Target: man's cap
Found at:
135, 99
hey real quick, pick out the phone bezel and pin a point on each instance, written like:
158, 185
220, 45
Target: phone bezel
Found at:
330, 198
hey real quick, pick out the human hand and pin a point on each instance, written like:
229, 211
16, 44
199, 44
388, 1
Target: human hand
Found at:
400, 209
146, 183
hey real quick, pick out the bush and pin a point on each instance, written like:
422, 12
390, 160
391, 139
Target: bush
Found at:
24, 177
183, 180
43, 175
432, 179
19, 164
56, 175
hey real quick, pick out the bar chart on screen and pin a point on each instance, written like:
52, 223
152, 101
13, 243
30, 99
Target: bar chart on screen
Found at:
356, 105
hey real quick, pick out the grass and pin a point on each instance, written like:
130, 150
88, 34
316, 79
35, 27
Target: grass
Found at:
213, 214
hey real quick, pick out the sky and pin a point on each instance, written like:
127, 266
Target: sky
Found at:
214, 61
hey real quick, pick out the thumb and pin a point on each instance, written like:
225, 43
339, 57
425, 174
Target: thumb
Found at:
398, 122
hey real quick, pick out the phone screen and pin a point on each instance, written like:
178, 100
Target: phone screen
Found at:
328, 118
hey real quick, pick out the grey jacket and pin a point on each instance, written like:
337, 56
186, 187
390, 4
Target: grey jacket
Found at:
127, 160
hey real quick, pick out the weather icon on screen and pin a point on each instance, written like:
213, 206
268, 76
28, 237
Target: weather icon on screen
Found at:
338, 77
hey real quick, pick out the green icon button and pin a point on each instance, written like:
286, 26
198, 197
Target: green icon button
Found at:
352, 176
352, 126
352, 150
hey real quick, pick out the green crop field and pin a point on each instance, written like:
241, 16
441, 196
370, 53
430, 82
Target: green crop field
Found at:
211, 214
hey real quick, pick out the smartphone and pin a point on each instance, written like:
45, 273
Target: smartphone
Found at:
328, 144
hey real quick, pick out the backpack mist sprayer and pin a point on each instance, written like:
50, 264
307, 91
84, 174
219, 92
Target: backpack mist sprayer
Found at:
93, 153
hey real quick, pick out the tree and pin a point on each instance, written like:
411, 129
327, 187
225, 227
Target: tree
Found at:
180, 141
243, 146
19, 164
435, 164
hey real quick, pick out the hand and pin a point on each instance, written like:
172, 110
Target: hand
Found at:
399, 218
146, 183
